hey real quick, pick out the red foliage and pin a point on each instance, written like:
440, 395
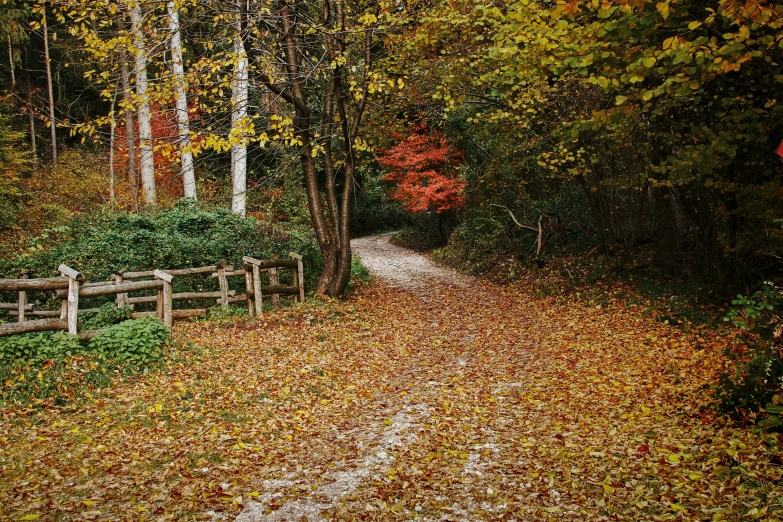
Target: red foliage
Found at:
164, 137
422, 168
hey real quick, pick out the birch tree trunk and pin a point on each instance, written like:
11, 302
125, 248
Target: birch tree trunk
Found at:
113, 124
238, 115
130, 126
51, 90
145, 126
30, 109
11, 63
183, 122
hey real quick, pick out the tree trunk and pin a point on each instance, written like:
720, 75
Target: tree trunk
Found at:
183, 121
238, 116
48, 61
298, 98
11, 63
349, 129
130, 128
666, 253
145, 126
594, 201
31, 110
113, 125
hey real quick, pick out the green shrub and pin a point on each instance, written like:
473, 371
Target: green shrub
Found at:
480, 235
35, 348
756, 313
360, 276
54, 215
187, 235
139, 341
107, 315
226, 312
59, 380
755, 390
373, 211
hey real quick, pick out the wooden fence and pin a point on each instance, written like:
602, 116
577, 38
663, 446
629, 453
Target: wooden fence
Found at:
72, 286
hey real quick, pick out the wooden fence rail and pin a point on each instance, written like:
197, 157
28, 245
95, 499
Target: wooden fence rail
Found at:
72, 286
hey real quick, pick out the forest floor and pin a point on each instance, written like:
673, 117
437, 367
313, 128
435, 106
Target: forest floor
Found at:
426, 395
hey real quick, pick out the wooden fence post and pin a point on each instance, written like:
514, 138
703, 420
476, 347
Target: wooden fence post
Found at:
251, 262
298, 275
72, 307
258, 298
22, 305
249, 291
122, 299
274, 280
223, 282
165, 294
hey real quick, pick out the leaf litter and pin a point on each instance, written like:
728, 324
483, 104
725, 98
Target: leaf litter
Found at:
479, 403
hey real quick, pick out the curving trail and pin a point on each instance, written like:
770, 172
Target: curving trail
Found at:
403, 268
516, 408
427, 395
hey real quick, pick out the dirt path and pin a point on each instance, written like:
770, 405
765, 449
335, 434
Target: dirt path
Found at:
426, 396
400, 267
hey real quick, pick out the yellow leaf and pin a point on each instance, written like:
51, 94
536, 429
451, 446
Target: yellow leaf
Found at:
673, 458
609, 489
694, 476
31, 516
663, 8
88, 502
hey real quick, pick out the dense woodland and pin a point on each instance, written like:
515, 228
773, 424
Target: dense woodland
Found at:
611, 170
619, 127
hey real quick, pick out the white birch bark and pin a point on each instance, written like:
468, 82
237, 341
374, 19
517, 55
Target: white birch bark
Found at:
130, 129
30, 110
11, 63
145, 127
113, 125
183, 122
238, 114
52, 121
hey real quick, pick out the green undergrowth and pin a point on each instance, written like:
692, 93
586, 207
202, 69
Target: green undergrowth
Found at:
360, 276
753, 391
54, 367
187, 235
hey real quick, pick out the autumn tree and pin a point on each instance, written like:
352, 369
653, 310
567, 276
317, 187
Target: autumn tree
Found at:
423, 169
181, 102
665, 114
318, 59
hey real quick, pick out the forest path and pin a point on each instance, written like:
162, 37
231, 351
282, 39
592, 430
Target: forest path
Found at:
401, 267
426, 395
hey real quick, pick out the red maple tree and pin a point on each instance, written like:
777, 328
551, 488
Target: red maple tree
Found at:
422, 166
